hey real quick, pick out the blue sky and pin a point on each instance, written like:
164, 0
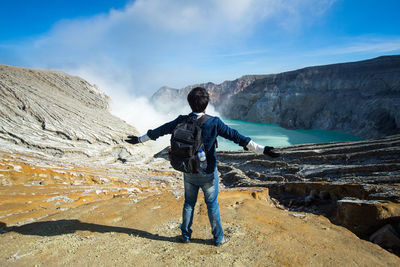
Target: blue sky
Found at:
135, 47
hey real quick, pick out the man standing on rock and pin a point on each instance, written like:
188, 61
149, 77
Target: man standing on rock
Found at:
208, 180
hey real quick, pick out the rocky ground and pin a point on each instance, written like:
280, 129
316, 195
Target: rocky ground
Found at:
65, 215
113, 224
371, 167
354, 184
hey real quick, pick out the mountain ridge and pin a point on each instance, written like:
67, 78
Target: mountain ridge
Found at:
358, 97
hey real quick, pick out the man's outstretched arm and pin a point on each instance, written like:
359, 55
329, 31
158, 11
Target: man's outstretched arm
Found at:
248, 144
164, 129
137, 139
259, 149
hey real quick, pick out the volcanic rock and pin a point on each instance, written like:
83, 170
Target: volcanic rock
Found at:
362, 216
56, 115
386, 237
363, 169
361, 98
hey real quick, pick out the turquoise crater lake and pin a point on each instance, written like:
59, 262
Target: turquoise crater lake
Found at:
273, 135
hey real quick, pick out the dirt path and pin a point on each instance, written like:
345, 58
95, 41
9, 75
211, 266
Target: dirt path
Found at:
123, 232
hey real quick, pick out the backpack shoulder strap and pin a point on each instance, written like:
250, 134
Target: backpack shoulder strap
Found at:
203, 119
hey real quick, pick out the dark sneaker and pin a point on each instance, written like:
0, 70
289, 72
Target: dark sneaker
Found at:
224, 241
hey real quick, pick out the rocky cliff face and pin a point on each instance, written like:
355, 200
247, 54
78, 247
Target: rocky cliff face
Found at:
361, 98
167, 98
53, 114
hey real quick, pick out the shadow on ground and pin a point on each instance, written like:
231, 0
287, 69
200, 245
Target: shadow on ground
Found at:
61, 227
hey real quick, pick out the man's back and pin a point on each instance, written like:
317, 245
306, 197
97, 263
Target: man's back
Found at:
211, 129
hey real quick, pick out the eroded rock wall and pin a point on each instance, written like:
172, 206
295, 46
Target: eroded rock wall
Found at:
363, 169
55, 114
361, 98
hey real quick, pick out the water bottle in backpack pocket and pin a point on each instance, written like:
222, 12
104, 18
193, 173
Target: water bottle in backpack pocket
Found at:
202, 158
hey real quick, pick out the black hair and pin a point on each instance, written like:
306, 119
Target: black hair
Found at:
198, 99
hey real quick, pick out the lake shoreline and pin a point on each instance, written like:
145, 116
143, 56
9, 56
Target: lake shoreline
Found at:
276, 136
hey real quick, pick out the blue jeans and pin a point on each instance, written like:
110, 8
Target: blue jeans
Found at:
209, 184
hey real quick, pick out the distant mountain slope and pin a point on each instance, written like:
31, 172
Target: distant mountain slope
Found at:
59, 115
361, 98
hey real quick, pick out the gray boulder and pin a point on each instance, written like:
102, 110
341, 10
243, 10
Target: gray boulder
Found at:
386, 237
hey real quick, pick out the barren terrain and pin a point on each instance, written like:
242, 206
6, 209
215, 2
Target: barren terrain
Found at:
48, 218
74, 193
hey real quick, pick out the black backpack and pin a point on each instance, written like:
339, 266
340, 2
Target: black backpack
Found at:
185, 144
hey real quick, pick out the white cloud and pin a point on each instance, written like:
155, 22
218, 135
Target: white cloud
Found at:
225, 16
202, 16
151, 43
293, 15
376, 47
361, 45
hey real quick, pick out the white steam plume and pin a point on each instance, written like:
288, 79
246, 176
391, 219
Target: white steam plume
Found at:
136, 110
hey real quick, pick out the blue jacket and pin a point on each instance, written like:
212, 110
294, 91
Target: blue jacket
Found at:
212, 128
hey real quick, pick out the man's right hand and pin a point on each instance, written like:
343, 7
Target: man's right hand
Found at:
132, 139
268, 151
